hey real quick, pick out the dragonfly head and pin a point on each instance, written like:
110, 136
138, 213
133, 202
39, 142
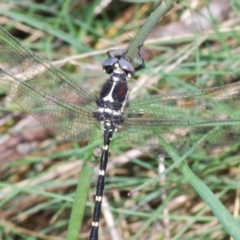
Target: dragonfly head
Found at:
121, 65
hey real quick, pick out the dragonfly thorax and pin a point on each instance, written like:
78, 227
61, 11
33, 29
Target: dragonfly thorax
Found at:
114, 93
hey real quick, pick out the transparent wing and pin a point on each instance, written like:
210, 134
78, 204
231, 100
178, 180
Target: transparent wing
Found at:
45, 91
210, 116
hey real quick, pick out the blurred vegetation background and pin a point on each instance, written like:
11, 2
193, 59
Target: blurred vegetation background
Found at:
196, 45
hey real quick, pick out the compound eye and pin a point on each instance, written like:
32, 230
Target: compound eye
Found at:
127, 67
108, 65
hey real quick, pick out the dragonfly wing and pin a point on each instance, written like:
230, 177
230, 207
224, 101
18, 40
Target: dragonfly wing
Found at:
58, 102
200, 120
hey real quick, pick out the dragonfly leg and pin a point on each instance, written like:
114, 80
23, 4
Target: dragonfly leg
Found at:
118, 53
142, 64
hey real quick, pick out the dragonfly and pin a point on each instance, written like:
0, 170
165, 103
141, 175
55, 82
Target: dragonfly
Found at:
210, 117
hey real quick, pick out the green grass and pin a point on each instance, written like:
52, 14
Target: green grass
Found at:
39, 179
